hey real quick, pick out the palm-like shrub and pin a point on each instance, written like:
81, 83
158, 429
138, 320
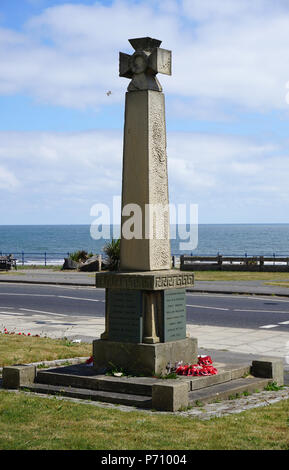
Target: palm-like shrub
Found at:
80, 256
112, 251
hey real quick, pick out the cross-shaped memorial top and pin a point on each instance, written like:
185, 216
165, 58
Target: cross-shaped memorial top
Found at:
143, 65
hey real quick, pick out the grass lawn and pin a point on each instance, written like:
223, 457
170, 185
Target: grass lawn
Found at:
81, 426
239, 276
70, 425
278, 284
16, 349
52, 267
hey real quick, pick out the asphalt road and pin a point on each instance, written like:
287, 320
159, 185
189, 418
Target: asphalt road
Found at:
203, 309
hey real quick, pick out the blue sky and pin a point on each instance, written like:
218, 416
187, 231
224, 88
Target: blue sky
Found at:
226, 106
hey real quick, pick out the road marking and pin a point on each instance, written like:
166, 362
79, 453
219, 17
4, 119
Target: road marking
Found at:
283, 323
211, 308
7, 308
41, 311
51, 295
79, 298
262, 311
30, 295
12, 313
238, 297
73, 286
269, 326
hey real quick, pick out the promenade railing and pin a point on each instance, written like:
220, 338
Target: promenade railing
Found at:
42, 258
235, 263
184, 262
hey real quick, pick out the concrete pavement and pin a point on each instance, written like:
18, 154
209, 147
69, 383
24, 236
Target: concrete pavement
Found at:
226, 340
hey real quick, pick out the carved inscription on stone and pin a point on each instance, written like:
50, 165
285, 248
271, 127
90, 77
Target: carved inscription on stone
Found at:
174, 314
124, 310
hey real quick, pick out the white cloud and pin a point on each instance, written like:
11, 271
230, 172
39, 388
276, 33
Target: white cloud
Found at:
202, 162
7, 180
66, 162
227, 56
223, 51
207, 10
60, 170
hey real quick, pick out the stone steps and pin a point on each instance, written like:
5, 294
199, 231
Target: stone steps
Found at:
82, 377
139, 401
227, 390
226, 373
127, 385
81, 381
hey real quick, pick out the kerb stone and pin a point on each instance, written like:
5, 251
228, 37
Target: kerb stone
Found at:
18, 376
269, 367
170, 397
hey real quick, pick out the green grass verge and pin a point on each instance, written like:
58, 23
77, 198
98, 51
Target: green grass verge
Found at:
31, 267
77, 426
16, 349
239, 276
10, 273
278, 284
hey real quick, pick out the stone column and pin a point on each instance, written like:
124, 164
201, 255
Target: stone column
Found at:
145, 184
145, 176
145, 300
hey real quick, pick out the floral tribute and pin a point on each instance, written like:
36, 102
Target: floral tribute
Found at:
6, 332
202, 368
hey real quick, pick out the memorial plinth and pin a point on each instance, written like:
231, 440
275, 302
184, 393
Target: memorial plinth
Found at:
148, 280
145, 305
143, 359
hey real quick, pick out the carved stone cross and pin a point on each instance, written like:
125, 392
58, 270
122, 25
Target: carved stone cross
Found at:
144, 64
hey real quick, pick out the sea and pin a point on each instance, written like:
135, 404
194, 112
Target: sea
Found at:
50, 244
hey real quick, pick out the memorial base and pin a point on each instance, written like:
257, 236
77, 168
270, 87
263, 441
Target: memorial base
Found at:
141, 358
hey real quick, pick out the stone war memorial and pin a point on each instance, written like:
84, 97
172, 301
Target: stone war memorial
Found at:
145, 301
145, 318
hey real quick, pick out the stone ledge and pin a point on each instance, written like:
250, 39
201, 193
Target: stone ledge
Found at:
269, 367
147, 280
20, 375
170, 396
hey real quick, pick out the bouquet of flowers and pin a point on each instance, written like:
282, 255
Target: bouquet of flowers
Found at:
202, 368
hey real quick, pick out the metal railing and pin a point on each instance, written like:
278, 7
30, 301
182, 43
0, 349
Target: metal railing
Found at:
41, 258
230, 263
47, 257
